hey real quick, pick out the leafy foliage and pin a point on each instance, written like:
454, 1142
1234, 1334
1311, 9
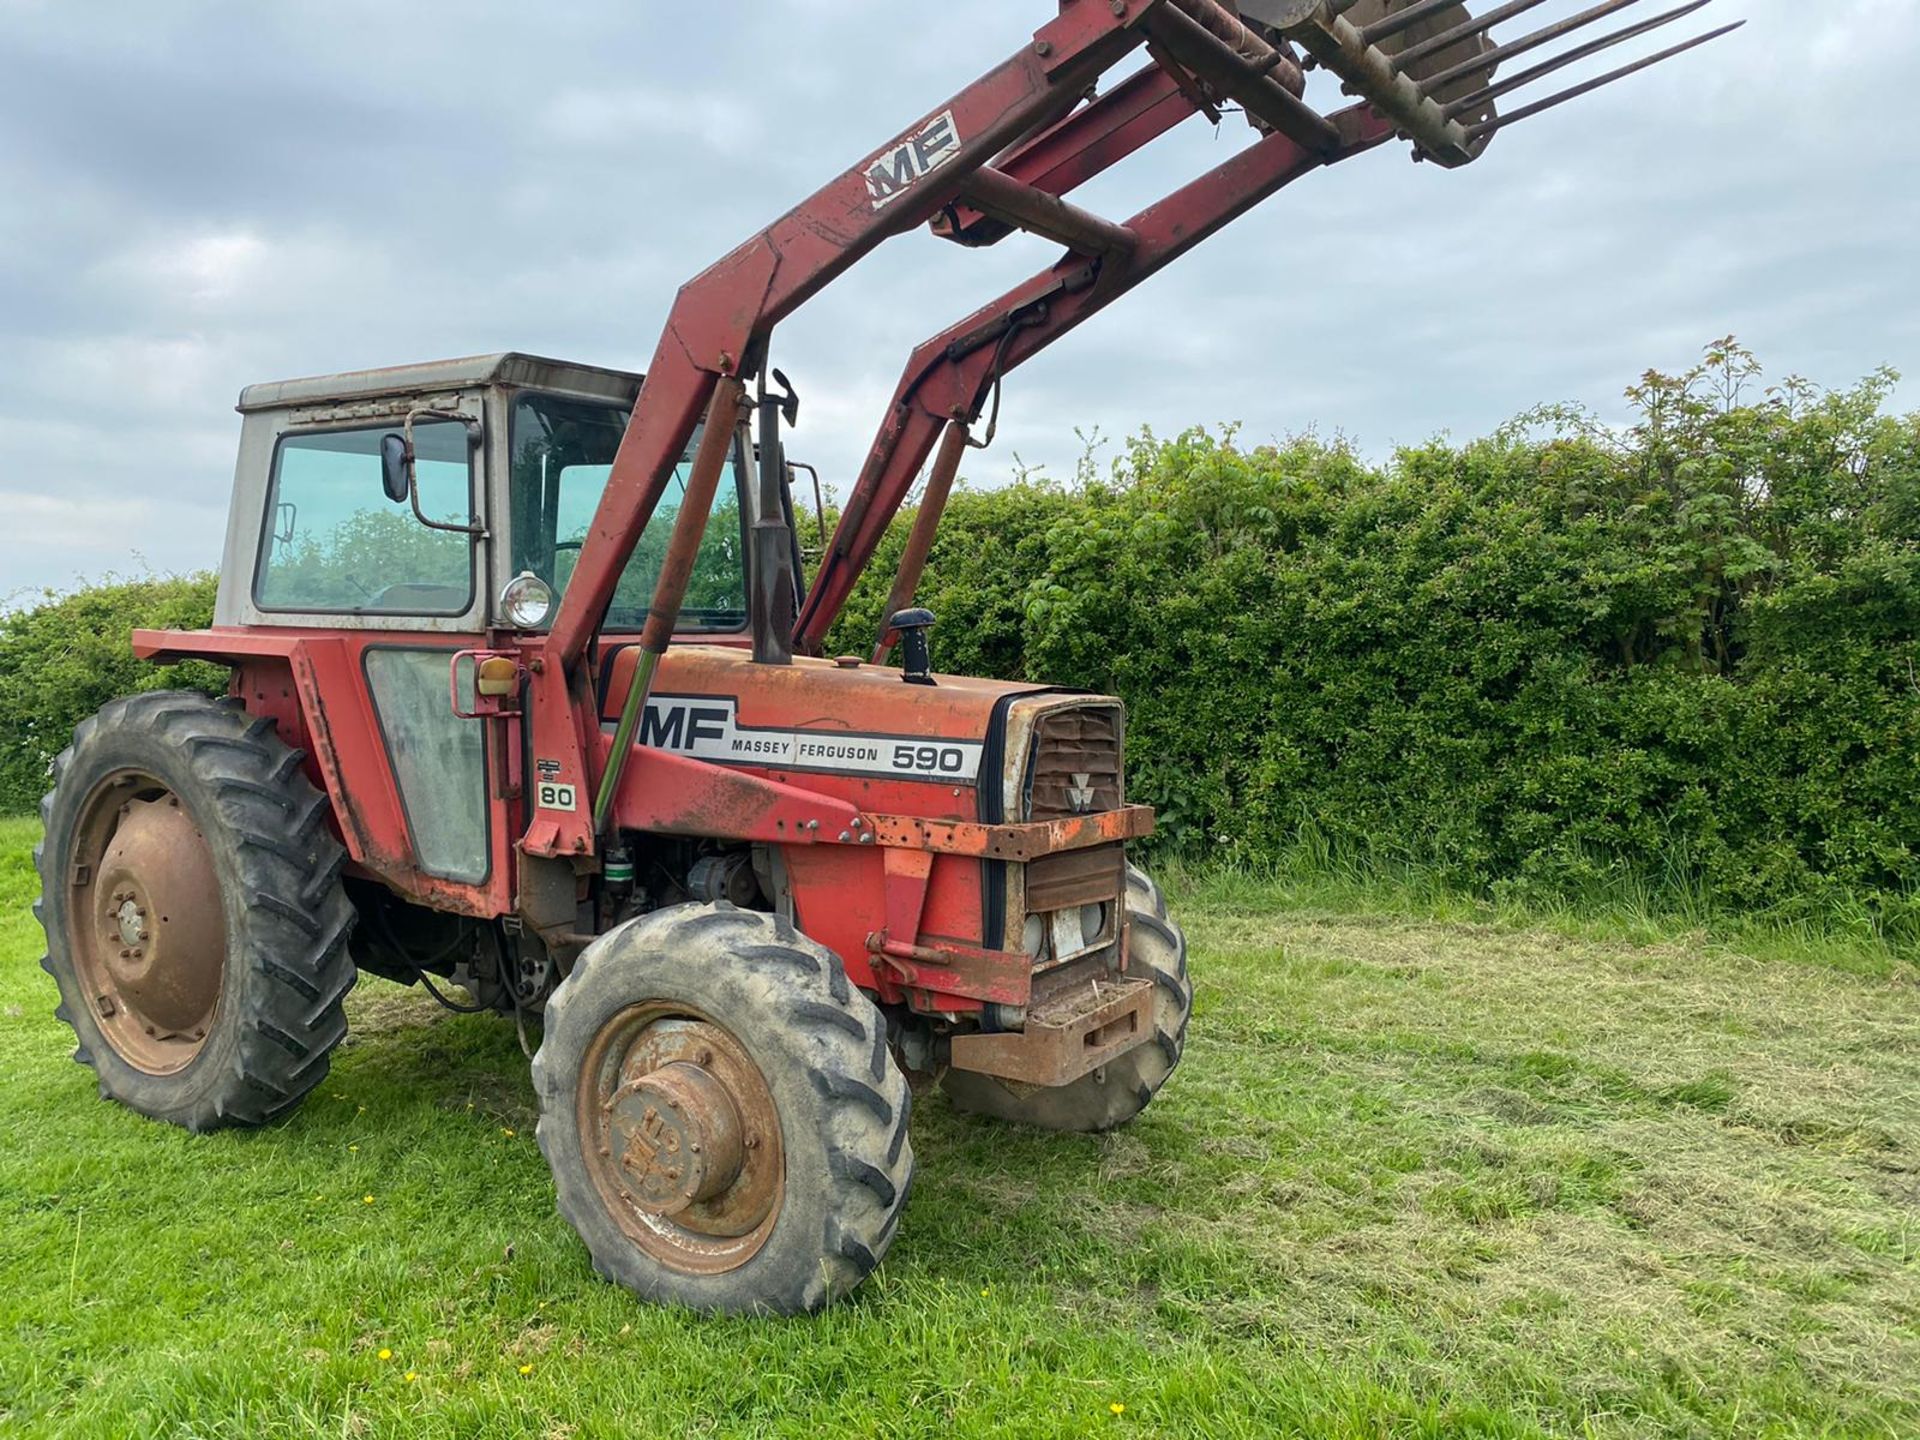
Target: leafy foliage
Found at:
1535, 663
1565, 657
64, 659
380, 559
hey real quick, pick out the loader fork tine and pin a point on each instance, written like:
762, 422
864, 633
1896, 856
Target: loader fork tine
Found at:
1401, 20
1530, 42
1430, 109
1474, 28
1526, 112
1466, 104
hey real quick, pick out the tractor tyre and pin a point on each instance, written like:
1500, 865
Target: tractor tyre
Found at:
726, 1125
196, 925
1121, 1089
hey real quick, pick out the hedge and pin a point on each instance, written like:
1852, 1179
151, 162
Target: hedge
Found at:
63, 659
1685, 649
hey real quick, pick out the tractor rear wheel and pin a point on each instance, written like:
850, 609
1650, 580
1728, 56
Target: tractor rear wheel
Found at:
1120, 1090
195, 920
726, 1126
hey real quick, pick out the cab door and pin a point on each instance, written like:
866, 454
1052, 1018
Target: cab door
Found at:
399, 598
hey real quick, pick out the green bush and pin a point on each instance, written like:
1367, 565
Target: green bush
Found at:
1559, 659
64, 659
1681, 657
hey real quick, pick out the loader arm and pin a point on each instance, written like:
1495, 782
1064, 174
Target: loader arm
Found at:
998, 157
948, 379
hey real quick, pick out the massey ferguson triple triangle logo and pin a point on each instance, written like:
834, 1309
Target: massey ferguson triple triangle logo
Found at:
914, 158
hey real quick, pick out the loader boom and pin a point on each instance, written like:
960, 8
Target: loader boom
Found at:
999, 156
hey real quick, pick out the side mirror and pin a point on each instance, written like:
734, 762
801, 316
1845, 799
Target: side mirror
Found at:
396, 467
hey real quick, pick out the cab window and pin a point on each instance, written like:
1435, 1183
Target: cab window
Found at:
334, 542
562, 455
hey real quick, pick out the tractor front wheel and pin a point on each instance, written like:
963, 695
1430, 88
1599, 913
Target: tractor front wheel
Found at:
1121, 1089
196, 924
726, 1126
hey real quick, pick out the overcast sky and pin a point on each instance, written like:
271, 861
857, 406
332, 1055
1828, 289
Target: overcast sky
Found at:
197, 194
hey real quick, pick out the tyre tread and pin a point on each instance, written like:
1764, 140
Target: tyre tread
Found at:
298, 914
862, 1113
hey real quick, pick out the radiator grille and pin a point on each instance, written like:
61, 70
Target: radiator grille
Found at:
1068, 879
1076, 762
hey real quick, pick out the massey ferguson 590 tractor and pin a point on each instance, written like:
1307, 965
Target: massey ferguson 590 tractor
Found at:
524, 699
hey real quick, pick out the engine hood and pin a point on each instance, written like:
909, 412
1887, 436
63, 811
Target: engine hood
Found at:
840, 728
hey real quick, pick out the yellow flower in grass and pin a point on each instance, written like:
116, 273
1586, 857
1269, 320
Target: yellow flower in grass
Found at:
366, 1199
526, 1369
386, 1354
412, 1375
1117, 1408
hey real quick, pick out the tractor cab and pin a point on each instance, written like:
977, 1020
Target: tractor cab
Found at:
507, 458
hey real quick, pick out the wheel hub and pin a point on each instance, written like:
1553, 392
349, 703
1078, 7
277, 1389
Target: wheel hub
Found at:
150, 929
683, 1141
681, 1135
131, 918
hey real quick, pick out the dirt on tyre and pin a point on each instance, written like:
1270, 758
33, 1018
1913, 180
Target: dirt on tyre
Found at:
195, 921
725, 1123
1121, 1089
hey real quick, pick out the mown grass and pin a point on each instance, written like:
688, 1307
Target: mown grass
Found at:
1421, 1175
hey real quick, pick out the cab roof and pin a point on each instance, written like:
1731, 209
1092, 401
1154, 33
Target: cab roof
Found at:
511, 368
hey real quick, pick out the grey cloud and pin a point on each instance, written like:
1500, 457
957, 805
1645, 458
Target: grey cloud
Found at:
204, 193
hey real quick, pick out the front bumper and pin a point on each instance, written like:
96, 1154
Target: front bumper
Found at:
1069, 1034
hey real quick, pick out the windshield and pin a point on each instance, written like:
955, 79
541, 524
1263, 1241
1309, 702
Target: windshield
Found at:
562, 454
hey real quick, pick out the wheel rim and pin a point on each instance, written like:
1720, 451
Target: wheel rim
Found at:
149, 932
682, 1138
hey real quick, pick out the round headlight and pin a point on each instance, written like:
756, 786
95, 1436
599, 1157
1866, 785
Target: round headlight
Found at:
1033, 936
526, 601
1093, 919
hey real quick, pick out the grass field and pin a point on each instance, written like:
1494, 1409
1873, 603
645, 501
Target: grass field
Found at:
1422, 1174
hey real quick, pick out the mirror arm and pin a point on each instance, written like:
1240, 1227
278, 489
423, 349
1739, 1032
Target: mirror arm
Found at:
472, 527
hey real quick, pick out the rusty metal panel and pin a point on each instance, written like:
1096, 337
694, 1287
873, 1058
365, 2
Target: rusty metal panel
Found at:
1013, 842
1070, 1035
1073, 878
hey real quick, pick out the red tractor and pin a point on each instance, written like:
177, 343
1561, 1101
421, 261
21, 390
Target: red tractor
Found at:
524, 699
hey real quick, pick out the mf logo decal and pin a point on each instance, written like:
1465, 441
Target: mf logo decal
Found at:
914, 158
684, 725
1080, 794
709, 728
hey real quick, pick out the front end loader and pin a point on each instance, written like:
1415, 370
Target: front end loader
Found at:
527, 698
